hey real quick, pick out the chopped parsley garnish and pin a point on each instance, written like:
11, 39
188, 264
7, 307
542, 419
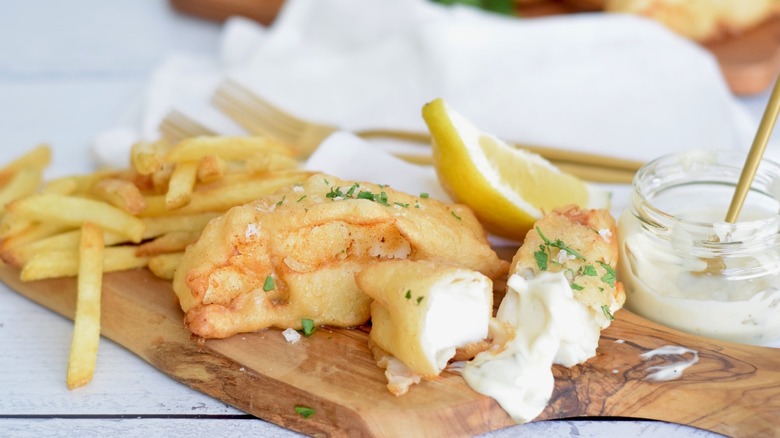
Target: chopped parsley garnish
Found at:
308, 326
424, 195
365, 195
609, 314
541, 258
456, 215
609, 277
558, 243
269, 284
327, 183
588, 270
576, 286
419, 299
304, 411
401, 204
351, 190
408, 294
282, 200
301, 198
416, 204
335, 192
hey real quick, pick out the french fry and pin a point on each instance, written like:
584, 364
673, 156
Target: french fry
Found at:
161, 177
76, 184
70, 210
211, 168
156, 226
10, 247
164, 265
23, 182
222, 197
227, 148
270, 162
64, 262
181, 184
13, 224
148, 157
86, 324
120, 193
174, 241
19, 255
39, 157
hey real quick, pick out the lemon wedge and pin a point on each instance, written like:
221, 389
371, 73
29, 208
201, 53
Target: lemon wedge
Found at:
508, 188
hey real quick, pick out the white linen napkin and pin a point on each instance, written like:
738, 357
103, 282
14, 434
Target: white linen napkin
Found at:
613, 84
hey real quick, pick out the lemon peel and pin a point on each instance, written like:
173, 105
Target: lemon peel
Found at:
507, 188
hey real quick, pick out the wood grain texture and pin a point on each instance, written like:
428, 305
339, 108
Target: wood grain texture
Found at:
734, 389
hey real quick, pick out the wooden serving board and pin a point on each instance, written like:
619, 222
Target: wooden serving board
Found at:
733, 389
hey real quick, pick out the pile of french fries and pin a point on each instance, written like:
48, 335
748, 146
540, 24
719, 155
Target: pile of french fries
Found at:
113, 220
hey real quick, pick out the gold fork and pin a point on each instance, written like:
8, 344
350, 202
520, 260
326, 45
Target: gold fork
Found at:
261, 117
177, 126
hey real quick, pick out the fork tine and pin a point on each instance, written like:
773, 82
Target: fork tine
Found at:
248, 120
258, 102
177, 126
263, 112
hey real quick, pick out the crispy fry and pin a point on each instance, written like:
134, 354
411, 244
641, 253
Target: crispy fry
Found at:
181, 184
120, 193
12, 224
156, 226
77, 184
270, 162
164, 265
64, 262
148, 157
39, 158
227, 148
226, 194
23, 182
10, 247
86, 324
174, 241
211, 168
161, 177
69, 210
19, 255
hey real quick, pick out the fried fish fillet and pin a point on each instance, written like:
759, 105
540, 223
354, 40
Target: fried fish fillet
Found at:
422, 313
293, 255
583, 244
701, 20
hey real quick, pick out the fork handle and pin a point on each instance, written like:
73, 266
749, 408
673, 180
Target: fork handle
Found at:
553, 154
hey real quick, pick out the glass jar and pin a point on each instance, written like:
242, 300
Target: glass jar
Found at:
684, 267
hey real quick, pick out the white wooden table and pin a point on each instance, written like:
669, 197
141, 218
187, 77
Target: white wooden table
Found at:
67, 71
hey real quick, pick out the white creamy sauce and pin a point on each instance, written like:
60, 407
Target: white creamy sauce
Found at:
673, 370
459, 309
550, 327
670, 289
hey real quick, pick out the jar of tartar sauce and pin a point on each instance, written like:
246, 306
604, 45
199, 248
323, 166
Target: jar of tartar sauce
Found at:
684, 267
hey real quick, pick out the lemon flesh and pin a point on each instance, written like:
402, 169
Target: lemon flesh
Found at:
508, 188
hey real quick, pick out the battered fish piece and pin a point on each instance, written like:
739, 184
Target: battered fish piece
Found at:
421, 314
293, 255
583, 243
701, 20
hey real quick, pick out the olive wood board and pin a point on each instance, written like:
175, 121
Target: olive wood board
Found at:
749, 61
733, 389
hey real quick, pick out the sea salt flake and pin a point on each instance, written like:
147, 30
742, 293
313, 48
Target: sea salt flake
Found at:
291, 335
